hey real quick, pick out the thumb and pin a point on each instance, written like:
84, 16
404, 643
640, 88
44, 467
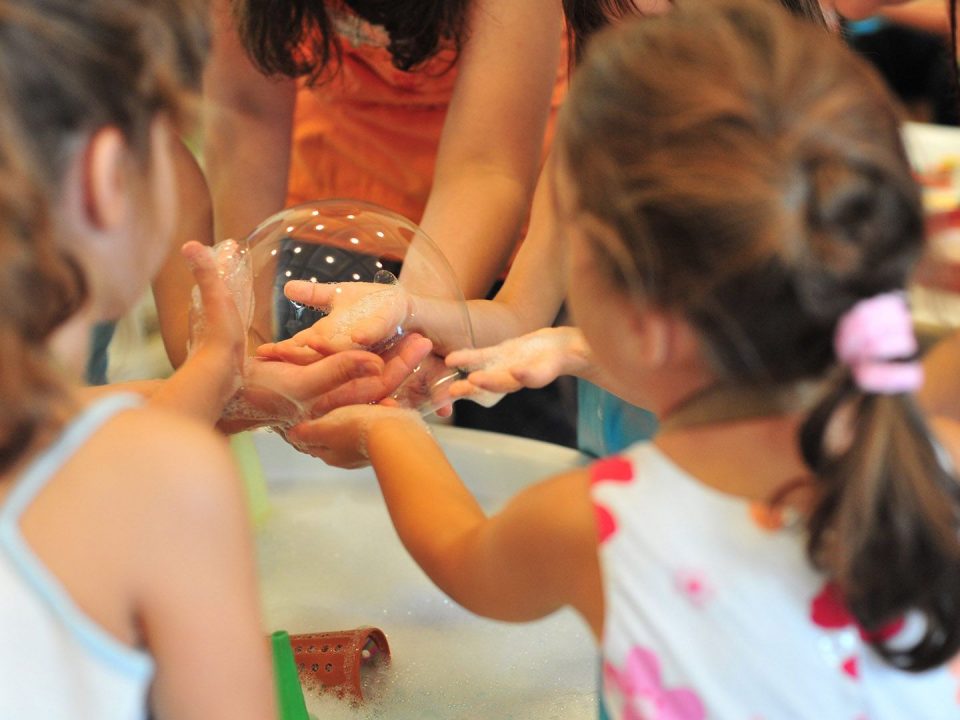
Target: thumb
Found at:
203, 265
200, 259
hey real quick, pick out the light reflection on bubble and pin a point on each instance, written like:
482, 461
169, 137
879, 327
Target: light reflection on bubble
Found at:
337, 241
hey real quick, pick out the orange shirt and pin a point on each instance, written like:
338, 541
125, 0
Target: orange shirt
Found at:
372, 131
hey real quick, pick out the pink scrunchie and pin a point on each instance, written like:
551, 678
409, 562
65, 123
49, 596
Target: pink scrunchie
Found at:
872, 338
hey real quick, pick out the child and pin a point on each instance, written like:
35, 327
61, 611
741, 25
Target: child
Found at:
126, 564
787, 547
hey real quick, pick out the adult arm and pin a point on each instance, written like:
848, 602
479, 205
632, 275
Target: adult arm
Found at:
364, 314
247, 120
173, 284
491, 145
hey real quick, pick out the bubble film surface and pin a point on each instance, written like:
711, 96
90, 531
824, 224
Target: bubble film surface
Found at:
344, 241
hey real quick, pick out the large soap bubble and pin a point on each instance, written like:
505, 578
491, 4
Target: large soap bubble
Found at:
348, 241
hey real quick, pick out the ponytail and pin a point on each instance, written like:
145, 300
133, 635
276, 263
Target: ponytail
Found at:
885, 529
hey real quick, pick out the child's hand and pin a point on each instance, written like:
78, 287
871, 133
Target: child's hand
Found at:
340, 437
528, 361
281, 394
428, 387
362, 316
218, 311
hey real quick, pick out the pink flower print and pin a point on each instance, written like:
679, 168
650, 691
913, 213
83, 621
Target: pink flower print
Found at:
645, 697
694, 585
606, 523
615, 469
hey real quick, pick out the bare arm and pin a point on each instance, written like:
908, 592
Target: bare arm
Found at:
247, 120
535, 287
174, 282
536, 555
204, 382
196, 591
490, 149
462, 217
530, 299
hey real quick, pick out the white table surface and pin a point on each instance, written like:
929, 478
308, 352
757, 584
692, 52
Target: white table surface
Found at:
330, 560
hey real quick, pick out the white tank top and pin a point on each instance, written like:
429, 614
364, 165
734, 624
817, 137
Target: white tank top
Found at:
55, 662
712, 613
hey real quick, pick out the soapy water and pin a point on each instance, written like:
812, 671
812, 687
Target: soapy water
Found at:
329, 560
361, 247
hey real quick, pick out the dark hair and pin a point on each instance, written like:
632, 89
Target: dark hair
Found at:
755, 181
297, 38
585, 17
68, 68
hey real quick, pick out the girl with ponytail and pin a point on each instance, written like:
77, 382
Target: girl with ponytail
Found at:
120, 564
736, 254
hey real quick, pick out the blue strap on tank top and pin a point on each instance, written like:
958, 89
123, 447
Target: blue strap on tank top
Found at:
94, 638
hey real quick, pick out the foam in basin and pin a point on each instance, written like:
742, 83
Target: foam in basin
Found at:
329, 558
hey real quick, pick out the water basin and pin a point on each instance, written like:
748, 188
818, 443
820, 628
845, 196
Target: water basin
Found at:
329, 559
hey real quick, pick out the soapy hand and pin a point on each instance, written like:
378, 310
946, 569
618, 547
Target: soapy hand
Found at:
220, 304
361, 315
428, 387
340, 437
281, 394
528, 361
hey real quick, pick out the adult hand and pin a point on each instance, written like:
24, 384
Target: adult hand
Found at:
360, 316
528, 361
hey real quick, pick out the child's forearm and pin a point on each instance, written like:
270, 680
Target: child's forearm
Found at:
537, 554
200, 387
431, 508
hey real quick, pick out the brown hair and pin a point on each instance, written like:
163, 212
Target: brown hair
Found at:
752, 171
68, 68
586, 17
296, 38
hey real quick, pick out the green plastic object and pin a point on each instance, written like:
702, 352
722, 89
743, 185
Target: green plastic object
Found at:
254, 481
289, 690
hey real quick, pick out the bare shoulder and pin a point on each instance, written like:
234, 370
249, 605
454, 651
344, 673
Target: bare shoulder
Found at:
161, 433
558, 509
169, 453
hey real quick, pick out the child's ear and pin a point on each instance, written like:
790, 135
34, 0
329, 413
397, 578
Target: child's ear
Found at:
105, 179
661, 338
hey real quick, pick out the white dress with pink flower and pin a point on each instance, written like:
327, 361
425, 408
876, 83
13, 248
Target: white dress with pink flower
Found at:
715, 612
